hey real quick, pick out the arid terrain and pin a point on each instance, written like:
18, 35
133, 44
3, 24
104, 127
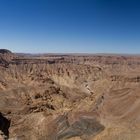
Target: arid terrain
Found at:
69, 97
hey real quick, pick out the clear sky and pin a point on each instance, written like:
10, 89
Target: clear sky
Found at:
70, 26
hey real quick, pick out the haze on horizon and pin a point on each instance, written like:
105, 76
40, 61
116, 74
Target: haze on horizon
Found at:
70, 26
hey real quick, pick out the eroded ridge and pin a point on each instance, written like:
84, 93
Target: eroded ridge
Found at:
69, 97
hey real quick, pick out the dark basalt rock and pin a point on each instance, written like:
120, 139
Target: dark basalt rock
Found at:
84, 128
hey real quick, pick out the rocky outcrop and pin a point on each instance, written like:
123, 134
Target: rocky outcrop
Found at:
73, 97
5, 57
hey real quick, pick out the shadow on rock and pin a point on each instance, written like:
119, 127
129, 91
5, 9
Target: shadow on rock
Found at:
4, 125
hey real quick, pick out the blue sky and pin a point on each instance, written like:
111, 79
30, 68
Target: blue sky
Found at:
70, 26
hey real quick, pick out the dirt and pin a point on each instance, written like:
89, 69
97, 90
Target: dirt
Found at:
69, 97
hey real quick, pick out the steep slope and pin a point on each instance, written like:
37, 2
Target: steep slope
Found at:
69, 97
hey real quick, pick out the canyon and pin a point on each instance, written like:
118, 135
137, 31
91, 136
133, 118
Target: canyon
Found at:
69, 96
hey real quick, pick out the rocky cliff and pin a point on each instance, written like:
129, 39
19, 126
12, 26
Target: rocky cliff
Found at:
69, 97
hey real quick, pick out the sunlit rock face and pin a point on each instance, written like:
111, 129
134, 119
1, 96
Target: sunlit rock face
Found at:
69, 97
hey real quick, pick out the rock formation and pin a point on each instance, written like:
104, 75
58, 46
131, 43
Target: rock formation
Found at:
69, 97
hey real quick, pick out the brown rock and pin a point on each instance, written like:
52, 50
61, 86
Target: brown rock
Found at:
74, 97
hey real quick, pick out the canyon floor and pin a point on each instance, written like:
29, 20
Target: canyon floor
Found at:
69, 96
